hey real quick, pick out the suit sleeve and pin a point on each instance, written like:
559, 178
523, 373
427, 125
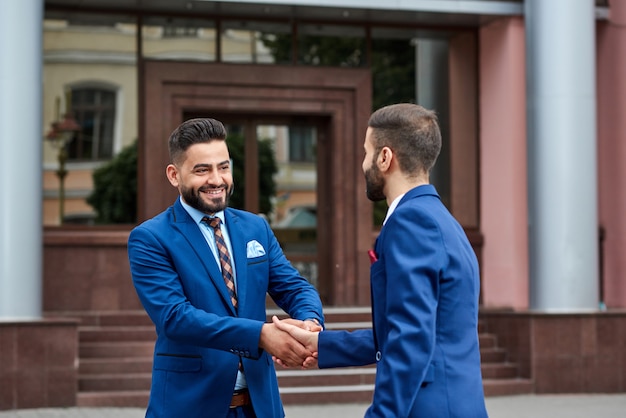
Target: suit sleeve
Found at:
155, 273
346, 348
412, 252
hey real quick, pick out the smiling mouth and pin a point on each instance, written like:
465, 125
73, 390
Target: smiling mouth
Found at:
213, 192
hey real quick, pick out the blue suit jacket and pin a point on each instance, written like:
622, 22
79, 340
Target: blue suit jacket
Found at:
425, 287
200, 338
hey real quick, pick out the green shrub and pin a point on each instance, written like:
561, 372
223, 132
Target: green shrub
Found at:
114, 197
267, 170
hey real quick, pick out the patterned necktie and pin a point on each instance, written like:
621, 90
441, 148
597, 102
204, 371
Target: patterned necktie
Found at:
227, 270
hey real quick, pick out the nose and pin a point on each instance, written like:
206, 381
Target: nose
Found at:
213, 177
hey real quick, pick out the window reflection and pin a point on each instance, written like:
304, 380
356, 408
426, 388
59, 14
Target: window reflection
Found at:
256, 42
89, 70
94, 110
167, 38
94, 56
331, 45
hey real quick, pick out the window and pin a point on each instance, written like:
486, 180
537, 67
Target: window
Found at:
257, 42
94, 110
332, 45
302, 144
177, 38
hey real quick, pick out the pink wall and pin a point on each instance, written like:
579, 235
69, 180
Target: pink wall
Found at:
503, 197
611, 49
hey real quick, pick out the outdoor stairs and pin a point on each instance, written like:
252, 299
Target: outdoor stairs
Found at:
115, 364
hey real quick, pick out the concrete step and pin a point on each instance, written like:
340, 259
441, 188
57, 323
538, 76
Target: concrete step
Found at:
109, 318
140, 379
326, 394
140, 318
114, 382
299, 394
111, 374
337, 318
507, 387
117, 349
345, 376
492, 355
486, 340
120, 399
289, 396
498, 370
334, 314
482, 326
116, 333
122, 365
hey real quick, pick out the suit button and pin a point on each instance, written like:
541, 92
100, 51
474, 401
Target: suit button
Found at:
378, 355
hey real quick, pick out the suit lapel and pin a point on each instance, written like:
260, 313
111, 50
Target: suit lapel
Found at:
190, 231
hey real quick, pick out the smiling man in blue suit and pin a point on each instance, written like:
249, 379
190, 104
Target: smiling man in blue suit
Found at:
424, 281
202, 272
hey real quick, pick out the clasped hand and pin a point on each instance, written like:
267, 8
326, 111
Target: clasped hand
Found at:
291, 343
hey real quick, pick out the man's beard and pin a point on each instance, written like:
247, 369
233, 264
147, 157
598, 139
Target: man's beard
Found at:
374, 184
194, 199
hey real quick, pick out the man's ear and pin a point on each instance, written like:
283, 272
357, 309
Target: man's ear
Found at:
384, 159
172, 174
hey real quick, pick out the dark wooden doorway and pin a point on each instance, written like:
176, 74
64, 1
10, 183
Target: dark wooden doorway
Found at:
300, 180
336, 100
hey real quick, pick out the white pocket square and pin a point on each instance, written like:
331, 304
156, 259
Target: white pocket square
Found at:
254, 249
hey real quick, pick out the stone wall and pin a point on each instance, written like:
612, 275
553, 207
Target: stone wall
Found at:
565, 352
38, 363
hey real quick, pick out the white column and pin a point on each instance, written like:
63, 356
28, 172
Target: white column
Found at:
562, 175
21, 147
431, 91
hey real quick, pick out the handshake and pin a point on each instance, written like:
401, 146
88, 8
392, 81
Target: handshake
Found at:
292, 343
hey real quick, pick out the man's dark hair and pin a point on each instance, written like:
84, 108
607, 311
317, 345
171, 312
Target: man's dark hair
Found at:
412, 133
194, 131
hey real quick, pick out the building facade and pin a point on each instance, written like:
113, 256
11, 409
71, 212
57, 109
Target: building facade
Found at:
529, 95
467, 61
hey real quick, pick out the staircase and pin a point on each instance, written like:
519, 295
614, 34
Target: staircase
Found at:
500, 377
115, 359
115, 365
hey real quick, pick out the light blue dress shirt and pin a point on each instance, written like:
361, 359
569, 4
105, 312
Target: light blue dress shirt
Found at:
209, 236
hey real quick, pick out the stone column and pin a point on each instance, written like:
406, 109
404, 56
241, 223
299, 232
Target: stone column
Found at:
21, 144
562, 169
431, 91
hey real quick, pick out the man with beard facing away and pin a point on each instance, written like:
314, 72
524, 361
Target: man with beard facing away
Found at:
203, 282
424, 281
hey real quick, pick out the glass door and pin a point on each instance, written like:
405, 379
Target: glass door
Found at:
294, 204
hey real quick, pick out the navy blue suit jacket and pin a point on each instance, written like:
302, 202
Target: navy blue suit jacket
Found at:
425, 287
200, 337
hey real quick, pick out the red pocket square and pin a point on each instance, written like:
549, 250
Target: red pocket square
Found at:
372, 256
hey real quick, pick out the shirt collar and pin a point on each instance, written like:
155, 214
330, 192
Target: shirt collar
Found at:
393, 206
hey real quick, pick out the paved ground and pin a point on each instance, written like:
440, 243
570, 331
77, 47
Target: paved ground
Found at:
522, 406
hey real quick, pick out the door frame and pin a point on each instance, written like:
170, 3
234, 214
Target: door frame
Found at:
343, 95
